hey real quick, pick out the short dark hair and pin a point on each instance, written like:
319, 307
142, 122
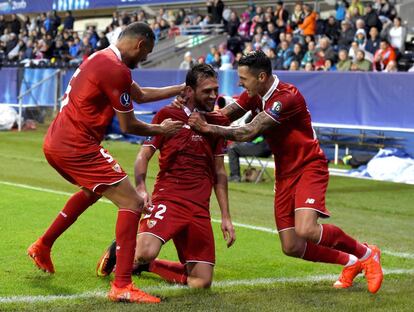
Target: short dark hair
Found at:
137, 29
199, 71
257, 61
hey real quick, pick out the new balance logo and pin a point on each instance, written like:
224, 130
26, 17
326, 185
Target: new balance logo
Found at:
310, 201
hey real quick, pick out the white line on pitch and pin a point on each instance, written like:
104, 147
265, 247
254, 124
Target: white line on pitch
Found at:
219, 284
246, 226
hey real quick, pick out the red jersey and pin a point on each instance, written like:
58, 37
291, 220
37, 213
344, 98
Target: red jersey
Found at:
186, 159
293, 141
99, 86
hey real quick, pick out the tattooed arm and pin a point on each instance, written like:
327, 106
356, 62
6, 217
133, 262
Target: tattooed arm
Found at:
244, 133
232, 111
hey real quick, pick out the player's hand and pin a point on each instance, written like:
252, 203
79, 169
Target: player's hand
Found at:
146, 197
229, 234
179, 101
170, 127
198, 122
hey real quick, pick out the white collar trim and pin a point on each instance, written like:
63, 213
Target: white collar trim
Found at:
116, 51
271, 90
187, 110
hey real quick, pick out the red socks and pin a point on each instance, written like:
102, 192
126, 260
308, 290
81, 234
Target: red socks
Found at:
74, 207
317, 253
173, 272
126, 233
333, 237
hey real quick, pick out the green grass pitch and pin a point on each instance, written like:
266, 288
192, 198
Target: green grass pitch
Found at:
253, 275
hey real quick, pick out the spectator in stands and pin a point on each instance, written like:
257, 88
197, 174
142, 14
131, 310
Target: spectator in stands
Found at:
344, 63
371, 18
14, 53
174, 30
294, 65
14, 24
346, 36
309, 67
226, 55
329, 65
216, 63
3, 24
356, 4
180, 17
257, 147
361, 38
397, 35
68, 21
215, 8
297, 16
210, 55
383, 56
308, 27
284, 54
373, 42
297, 54
320, 25
102, 42
281, 13
332, 30
360, 63
323, 52
233, 24
309, 56
188, 61
340, 10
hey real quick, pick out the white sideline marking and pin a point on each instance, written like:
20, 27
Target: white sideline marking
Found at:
404, 255
220, 284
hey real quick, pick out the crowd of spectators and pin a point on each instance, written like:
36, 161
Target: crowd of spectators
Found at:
357, 37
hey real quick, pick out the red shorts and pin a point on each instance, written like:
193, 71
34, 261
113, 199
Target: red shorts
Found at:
191, 233
95, 171
302, 191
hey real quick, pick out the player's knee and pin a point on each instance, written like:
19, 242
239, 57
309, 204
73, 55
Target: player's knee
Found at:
307, 231
198, 282
291, 250
145, 253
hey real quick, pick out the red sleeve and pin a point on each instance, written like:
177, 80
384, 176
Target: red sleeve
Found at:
116, 85
220, 149
246, 102
156, 140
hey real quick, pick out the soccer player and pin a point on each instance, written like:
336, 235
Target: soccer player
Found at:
99, 89
190, 165
282, 116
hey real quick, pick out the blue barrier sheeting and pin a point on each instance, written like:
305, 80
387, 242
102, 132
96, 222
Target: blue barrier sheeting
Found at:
8, 85
354, 100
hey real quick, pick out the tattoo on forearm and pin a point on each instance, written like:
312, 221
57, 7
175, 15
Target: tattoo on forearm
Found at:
247, 132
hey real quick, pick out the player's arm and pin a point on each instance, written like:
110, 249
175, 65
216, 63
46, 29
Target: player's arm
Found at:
129, 124
221, 191
245, 133
140, 172
233, 111
144, 95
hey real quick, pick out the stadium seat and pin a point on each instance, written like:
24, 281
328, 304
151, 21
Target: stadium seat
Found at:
262, 163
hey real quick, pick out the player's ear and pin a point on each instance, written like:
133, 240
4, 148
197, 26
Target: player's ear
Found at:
262, 76
188, 91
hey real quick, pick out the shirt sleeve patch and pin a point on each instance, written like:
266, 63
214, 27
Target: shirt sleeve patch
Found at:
125, 99
274, 110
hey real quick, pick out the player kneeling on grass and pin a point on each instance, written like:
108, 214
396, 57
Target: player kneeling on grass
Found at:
190, 165
282, 116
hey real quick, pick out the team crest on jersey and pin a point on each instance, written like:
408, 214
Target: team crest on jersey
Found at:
151, 223
125, 99
117, 168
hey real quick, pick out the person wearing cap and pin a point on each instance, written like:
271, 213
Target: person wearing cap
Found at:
346, 36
